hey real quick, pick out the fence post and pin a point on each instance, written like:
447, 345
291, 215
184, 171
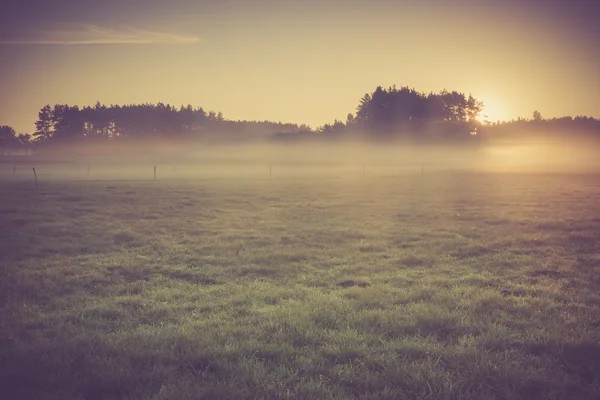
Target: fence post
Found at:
270, 171
14, 169
155, 172
34, 177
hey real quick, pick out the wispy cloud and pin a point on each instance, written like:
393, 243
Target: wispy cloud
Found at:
94, 34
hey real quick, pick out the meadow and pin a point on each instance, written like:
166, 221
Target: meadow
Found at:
308, 285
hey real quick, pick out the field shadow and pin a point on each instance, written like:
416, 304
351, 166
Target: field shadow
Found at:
68, 366
581, 360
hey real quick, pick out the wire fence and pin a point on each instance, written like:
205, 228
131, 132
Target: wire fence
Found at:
97, 172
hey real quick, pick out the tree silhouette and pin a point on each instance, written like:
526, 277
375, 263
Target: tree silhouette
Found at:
8, 139
43, 126
24, 139
397, 112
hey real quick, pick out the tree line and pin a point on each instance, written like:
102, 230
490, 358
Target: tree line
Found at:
386, 113
140, 121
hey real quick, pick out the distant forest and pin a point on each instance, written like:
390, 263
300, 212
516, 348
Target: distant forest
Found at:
384, 114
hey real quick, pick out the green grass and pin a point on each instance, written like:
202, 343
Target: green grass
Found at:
447, 286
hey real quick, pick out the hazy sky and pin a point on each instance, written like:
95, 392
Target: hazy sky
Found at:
303, 61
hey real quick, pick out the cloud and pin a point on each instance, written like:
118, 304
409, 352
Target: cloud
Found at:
94, 34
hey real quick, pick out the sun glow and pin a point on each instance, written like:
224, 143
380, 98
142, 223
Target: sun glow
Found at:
492, 111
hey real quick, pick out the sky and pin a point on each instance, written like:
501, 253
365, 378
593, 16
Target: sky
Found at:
301, 61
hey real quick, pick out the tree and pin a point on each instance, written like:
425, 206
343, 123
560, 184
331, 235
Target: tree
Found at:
185, 118
363, 110
349, 119
8, 139
473, 108
24, 138
455, 106
406, 111
68, 122
43, 126
537, 116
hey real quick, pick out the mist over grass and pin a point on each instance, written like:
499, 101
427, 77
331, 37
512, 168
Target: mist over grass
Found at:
310, 158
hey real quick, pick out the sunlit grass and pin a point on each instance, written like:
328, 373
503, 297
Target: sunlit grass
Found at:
451, 286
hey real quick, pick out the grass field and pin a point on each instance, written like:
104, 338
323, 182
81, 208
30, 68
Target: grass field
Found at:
442, 286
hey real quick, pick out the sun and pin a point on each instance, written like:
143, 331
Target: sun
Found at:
492, 111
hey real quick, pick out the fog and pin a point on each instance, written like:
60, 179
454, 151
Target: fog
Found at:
305, 159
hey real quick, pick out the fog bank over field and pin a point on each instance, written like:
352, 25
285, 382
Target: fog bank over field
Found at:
268, 159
